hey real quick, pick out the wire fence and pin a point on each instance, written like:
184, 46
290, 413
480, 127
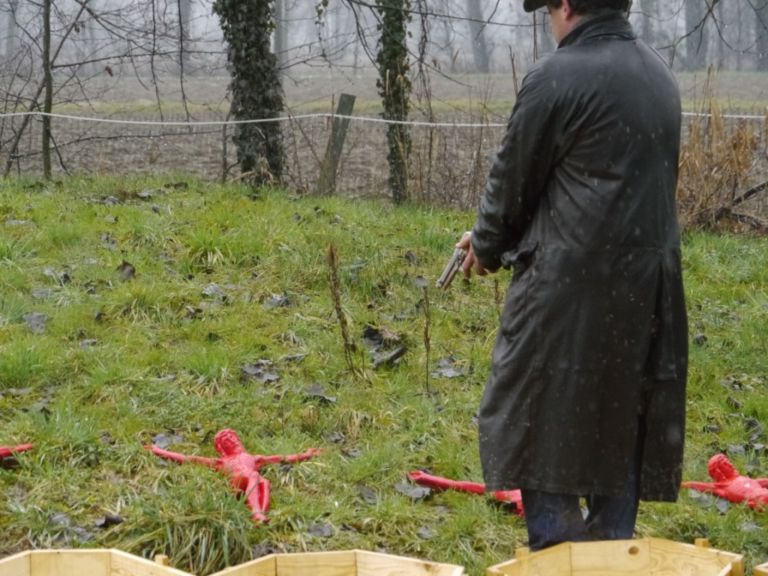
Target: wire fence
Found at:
448, 162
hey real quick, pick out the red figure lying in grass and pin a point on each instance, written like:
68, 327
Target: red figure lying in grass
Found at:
6, 451
731, 485
506, 496
242, 468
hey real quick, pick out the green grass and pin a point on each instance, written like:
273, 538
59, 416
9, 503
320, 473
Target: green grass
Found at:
122, 359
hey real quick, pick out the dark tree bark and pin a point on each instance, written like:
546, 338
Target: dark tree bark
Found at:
185, 33
697, 39
761, 34
543, 42
395, 90
649, 12
48, 91
11, 37
280, 37
477, 30
255, 87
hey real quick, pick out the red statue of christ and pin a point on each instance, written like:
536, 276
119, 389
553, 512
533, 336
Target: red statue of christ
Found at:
506, 496
242, 468
6, 451
731, 485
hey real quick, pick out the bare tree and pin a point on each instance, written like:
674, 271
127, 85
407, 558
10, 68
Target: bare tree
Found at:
697, 39
256, 90
184, 8
542, 36
11, 28
48, 89
477, 30
761, 34
48, 55
62, 44
742, 33
649, 15
395, 89
280, 35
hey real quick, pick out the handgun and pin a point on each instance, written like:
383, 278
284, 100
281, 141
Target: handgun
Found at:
451, 268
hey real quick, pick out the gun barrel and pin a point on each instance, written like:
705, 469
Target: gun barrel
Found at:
451, 268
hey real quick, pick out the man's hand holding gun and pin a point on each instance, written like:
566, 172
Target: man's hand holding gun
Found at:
463, 259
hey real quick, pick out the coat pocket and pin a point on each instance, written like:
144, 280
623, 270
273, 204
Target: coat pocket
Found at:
515, 321
519, 259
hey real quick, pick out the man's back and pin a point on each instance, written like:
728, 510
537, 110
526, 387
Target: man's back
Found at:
615, 112
581, 203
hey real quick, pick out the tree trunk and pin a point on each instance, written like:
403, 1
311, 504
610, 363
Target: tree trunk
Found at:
280, 35
697, 39
740, 26
11, 38
255, 88
649, 14
722, 56
185, 33
543, 42
92, 47
761, 35
395, 89
477, 32
48, 98
351, 29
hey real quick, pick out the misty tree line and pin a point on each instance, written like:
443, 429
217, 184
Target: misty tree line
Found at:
461, 35
55, 51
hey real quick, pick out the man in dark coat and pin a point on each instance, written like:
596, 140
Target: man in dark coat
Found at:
586, 395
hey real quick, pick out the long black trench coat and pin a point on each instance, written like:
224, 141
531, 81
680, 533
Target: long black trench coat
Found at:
589, 366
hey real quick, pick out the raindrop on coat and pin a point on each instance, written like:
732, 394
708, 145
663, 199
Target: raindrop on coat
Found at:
673, 435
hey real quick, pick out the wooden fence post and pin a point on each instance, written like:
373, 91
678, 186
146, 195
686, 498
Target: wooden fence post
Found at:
326, 183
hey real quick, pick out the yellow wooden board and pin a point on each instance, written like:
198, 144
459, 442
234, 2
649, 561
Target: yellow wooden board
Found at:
641, 557
320, 563
317, 563
373, 564
69, 563
555, 561
673, 558
340, 563
123, 564
626, 557
101, 562
16, 565
761, 570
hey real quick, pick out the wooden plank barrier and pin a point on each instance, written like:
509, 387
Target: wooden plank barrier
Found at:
761, 570
326, 183
342, 563
641, 557
97, 562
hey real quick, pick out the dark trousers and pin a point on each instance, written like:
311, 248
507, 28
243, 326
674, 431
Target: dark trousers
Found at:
555, 518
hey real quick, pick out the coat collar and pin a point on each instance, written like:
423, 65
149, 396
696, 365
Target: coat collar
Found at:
603, 23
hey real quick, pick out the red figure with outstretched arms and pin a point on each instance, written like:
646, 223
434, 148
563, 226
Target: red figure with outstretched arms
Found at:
242, 468
506, 496
731, 485
6, 451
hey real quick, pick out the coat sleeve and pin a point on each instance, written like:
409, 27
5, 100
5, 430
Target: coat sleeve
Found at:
519, 171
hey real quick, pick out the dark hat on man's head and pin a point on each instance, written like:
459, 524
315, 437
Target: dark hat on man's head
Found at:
531, 5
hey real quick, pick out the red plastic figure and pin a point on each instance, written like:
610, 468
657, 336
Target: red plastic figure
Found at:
242, 467
506, 496
6, 451
731, 485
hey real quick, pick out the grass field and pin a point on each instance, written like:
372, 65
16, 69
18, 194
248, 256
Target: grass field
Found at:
135, 311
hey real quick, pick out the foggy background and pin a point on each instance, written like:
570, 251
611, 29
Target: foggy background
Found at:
164, 62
